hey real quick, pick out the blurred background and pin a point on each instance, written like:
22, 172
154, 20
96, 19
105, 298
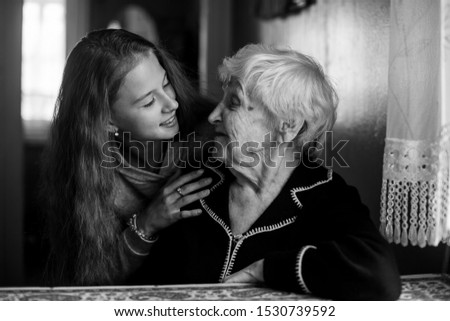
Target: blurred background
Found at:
350, 38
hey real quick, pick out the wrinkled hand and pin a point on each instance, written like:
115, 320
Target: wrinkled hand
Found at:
164, 210
251, 274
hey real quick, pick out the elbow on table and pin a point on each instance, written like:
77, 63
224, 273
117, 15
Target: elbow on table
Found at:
380, 276
387, 289
371, 284
383, 285
387, 282
373, 289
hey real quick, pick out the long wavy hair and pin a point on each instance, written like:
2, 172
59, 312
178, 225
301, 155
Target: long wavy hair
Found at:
83, 228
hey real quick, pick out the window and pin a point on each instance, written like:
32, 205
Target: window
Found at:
43, 58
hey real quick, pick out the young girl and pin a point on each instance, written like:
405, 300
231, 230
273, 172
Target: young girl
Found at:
121, 100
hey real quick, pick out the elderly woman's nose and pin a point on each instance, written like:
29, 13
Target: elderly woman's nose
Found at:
216, 115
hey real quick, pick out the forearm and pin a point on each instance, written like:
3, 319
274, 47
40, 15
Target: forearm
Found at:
135, 252
353, 269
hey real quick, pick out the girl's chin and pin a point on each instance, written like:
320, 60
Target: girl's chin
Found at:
170, 133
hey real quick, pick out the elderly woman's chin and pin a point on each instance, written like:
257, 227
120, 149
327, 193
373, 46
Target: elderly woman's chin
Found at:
221, 153
218, 151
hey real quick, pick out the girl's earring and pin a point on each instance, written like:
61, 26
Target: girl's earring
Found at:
116, 133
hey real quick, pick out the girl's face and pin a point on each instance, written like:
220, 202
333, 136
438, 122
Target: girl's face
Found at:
146, 103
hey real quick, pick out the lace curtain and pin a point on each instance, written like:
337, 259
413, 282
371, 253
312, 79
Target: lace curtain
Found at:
415, 190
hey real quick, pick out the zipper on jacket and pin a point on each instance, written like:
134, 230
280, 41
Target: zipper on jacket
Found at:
236, 242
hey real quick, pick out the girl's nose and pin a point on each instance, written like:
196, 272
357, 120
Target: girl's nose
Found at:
170, 104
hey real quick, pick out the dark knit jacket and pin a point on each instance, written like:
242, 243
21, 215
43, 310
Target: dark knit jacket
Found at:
316, 237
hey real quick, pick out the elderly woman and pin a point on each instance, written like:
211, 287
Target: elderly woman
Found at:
275, 216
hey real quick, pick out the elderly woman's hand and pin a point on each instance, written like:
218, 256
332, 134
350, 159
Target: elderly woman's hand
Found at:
251, 274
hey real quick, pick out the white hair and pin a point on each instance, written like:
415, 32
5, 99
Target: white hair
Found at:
292, 86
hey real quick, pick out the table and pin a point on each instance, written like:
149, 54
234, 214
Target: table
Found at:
414, 287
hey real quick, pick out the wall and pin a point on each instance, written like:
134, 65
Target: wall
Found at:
11, 199
77, 24
215, 43
350, 38
177, 22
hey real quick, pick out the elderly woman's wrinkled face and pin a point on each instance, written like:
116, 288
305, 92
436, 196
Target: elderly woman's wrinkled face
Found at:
241, 125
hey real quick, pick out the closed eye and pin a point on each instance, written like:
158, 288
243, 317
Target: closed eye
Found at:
151, 102
233, 102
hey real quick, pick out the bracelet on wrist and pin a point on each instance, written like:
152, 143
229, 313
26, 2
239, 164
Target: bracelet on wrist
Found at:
148, 238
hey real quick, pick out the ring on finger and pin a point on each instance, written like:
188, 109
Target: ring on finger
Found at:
179, 191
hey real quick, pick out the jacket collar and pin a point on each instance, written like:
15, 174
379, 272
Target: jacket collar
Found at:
285, 206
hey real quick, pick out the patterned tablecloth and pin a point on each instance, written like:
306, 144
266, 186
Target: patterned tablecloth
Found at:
418, 287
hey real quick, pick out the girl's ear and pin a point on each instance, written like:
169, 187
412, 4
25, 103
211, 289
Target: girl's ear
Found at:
111, 128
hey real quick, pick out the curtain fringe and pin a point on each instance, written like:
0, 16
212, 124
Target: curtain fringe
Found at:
415, 193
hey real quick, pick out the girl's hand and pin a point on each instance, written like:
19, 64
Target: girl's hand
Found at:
178, 192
